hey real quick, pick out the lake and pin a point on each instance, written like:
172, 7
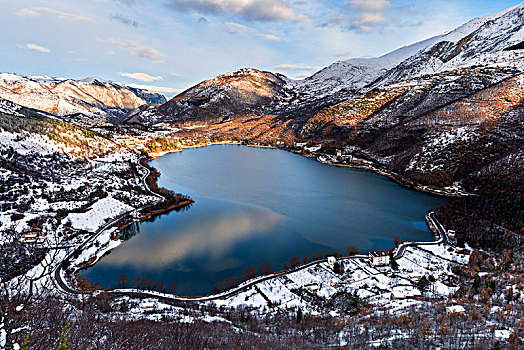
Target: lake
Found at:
256, 206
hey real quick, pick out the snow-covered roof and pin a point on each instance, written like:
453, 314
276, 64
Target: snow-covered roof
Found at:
401, 292
455, 309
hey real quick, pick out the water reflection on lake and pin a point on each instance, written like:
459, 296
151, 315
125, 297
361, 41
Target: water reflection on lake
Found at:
208, 234
255, 206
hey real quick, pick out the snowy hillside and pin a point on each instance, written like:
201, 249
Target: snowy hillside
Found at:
490, 42
482, 42
356, 73
241, 91
32, 131
9, 107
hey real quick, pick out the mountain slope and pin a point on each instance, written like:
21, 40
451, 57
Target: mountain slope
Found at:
462, 128
357, 73
30, 130
441, 113
90, 99
217, 99
445, 51
481, 42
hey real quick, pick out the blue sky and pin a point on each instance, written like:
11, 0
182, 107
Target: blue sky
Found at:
170, 45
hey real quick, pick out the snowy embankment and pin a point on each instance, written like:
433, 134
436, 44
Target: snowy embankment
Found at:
101, 212
454, 190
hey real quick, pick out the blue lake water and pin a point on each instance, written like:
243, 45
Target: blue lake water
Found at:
255, 206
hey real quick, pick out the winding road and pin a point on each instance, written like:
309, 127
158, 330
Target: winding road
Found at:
57, 274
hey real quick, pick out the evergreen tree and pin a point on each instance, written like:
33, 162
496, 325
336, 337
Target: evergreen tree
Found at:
423, 284
299, 315
336, 268
354, 301
475, 288
393, 262
64, 337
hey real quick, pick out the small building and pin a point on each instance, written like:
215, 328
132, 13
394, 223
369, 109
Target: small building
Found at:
451, 234
462, 251
147, 306
313, 287
331, 260
398, 294
32, 237
378, 258
415, 277
339, 153
405, 292
455, 309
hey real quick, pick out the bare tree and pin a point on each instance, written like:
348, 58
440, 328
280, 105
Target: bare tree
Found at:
17, 293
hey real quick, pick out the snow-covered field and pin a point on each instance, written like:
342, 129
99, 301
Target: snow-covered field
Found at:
99, 214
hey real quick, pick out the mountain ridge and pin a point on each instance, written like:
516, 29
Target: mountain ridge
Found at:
481, 42
90, 100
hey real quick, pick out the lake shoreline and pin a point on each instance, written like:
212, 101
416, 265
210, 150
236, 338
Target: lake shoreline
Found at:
397, 178
267, 156
323, 158
148, 212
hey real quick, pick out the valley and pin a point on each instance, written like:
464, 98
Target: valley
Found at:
196, 218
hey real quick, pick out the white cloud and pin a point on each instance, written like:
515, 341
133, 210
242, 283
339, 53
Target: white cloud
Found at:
27, 13
302, 76
131, 2
162, 89
237, 28
136, 49
128, 21
371, 13
297, 67
261, 10
35, 12
370, 5
141, 76
35, 47
270, 37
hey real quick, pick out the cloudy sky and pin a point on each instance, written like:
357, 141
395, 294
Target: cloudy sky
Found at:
169, 45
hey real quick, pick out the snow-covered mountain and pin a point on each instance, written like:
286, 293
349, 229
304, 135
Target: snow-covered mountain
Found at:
357, 73
94, 98
485, 42
491, 42
481, 41
242, 91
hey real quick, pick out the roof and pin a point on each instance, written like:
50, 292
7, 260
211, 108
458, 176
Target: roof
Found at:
400, 292
415, 275
147, 305
455, 309
378, 254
